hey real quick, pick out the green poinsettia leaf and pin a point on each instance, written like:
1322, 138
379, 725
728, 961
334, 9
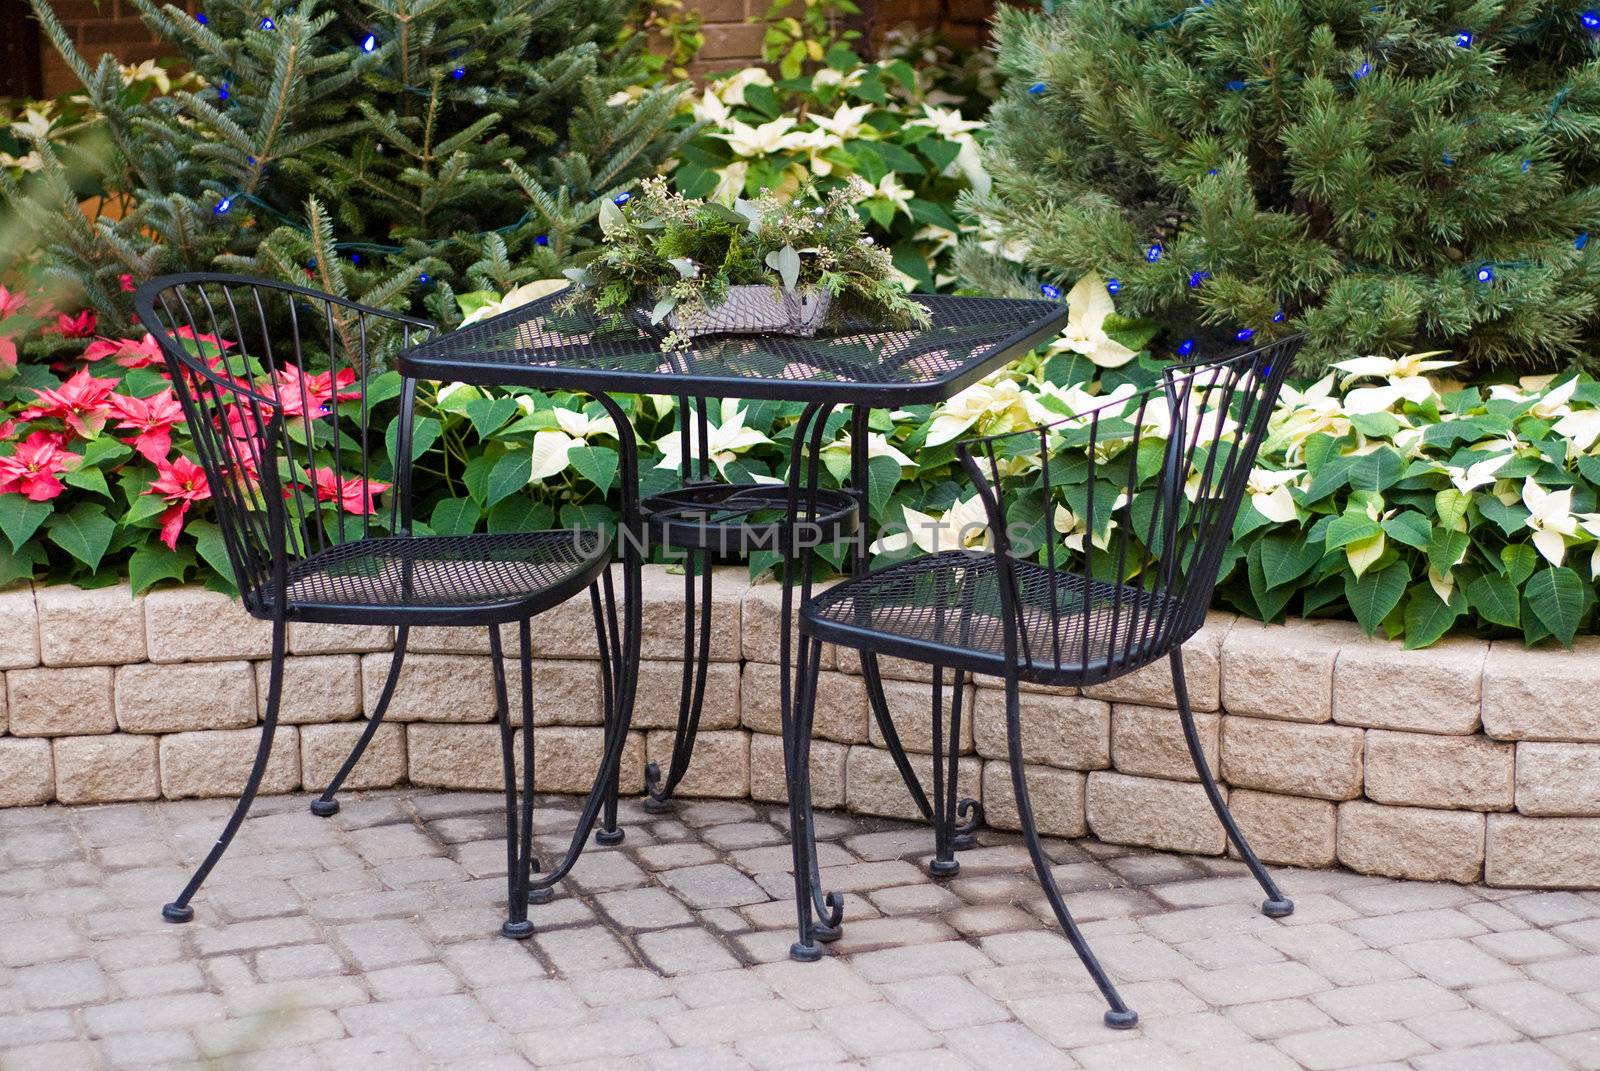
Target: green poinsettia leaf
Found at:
83, 532
154, 562
20, 518
1558, 597
1374, 596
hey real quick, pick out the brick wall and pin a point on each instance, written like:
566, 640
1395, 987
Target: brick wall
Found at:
732, 39
107, 26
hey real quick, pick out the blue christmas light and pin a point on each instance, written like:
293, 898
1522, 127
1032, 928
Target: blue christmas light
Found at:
1362, 71
423, 278
621, 199
1197, 277
1186, 347
1277, 317
369, 42
200, 17
1486, 274
312, 263
1153, 254
1211, 171
1051, 292
222, 92
459, 73
267, 23
1449, 161
1590, 20
1244, 334
355, 258
1036, 88
1234, 84
223, 206
1525, 165
543, 239
1581, 240
1113, 285
1464, 39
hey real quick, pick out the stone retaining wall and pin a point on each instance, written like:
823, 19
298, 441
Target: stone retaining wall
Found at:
1468, 761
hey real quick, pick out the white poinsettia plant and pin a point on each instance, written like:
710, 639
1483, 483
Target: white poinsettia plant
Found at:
914, 148
1385, 491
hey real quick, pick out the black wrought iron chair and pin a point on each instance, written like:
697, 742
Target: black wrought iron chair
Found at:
1103, 535
287, 400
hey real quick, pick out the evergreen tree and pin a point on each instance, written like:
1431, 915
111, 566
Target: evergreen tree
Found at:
1386, 176
433, 145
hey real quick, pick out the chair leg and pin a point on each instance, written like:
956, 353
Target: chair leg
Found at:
530, 859
604, 629
692, 692
326, 805
944, 863
950, 837
518, 854
179, 910
1120, 1016
1276, 905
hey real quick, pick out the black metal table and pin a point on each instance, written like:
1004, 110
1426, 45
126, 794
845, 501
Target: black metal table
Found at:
544, 346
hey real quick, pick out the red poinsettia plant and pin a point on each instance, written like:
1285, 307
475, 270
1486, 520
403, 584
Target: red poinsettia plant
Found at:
98, 475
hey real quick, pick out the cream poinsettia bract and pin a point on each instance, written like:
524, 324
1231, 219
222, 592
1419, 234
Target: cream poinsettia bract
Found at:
1406, 381
725, 441
1270, 495
997, 405
878, 445
1550, 517
1088, 306
522, 295
964, 526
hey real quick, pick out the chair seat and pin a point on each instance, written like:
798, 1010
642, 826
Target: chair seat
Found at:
444, 580
944, 609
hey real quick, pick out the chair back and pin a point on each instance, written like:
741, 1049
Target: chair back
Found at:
287, 396
1109, 525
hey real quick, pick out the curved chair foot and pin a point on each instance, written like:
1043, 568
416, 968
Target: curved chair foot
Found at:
608, 837
804, 953
652, 805
517, 931
944, 868
821, 931
962, 842
178, 913
541, 896
324, 808
1277, 909
1122, 1020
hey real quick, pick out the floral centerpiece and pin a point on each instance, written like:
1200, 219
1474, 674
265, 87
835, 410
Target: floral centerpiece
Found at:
700, 267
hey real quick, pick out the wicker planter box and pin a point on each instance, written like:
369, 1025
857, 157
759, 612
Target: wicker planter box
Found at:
757, 310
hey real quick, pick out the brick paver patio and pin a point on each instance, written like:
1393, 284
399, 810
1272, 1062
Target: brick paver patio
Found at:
370, 940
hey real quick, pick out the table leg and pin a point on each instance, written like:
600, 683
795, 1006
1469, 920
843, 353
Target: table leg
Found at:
696, 633
692, 692
796, 688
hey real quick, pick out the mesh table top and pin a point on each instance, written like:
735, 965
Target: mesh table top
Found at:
539, 345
